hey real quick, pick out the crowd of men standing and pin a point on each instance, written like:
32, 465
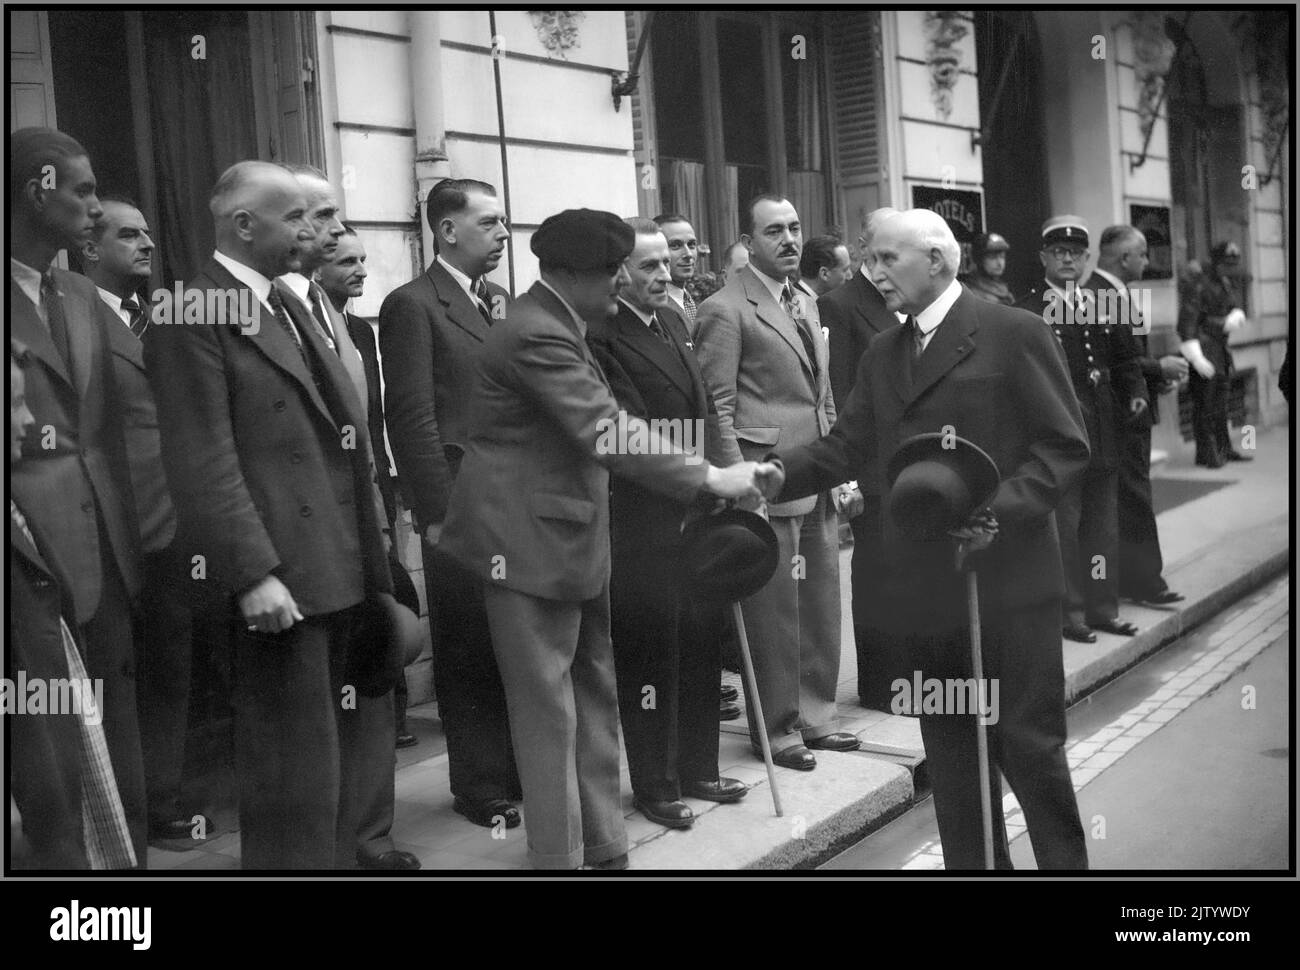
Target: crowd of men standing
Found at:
229, 477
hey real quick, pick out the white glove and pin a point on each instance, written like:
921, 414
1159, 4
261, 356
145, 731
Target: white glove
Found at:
1191, 349
1233, 321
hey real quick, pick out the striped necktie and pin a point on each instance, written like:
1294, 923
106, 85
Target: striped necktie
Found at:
58, 323
138, 319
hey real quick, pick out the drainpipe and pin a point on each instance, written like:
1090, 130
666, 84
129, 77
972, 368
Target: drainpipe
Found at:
431, 163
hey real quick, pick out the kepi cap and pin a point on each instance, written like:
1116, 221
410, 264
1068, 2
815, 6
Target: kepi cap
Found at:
1065, 229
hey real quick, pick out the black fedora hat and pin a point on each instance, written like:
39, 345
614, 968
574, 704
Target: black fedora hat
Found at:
389, 634
937, 481
729, 555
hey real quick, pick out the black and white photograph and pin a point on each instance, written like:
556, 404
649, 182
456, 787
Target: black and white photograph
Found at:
818, 442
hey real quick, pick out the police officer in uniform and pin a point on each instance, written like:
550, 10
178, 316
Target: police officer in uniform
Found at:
1211, 311
989, 253
1103, 369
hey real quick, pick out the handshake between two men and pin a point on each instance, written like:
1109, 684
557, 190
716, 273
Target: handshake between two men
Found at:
748, 483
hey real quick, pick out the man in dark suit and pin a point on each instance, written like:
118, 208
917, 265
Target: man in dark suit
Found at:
118, 260
66, 812
994, 376
683, 247
766, 366
529, 515
661, 639
1121, 260
74, 483
431, 333
268, 456
853, 315
1107, 382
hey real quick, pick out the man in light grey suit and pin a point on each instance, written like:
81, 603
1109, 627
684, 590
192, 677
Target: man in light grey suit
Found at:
767, 367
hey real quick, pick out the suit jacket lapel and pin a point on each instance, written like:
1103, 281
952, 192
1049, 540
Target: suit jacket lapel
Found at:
675, 324
80, 336
460, 309
950, 345
271, 340
349, 356
639, 339
771, 313
19, 542
25, 324
870, 297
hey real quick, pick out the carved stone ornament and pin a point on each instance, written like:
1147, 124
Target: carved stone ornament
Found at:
943, 30
557, 30
1153, 53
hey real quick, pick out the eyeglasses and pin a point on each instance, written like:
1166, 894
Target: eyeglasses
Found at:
1061, 252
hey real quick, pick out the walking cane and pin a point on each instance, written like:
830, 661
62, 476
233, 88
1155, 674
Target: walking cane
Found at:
981, 736
751, 697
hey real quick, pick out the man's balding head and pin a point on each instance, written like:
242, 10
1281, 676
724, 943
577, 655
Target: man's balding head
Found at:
260, 214
914, 258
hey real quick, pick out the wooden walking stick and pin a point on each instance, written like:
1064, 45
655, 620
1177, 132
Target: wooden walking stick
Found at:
751, 697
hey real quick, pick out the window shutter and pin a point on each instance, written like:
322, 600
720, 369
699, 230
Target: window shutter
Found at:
31, 78
855, 97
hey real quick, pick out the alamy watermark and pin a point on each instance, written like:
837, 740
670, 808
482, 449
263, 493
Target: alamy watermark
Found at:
630, 435
951, 695
1102, 308
61, 695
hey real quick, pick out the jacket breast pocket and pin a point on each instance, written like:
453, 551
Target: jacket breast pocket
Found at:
567, 508
755, 443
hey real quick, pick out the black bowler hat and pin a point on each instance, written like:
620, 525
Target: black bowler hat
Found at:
404, 593
937, 481
378, 653
583, 239
729, 555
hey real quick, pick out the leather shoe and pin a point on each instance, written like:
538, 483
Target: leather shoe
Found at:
1212, 461
393, 859
728, 693
615, 864
797, 757
484, 811
1162, 598
1237, 456
673, 815
179, 829
723, 790
728, 712
407, 740
1118, 627
1078, 633
841, 741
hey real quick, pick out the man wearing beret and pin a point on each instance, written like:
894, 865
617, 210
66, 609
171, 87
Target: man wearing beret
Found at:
1211, 311
529, 514
1108, 384
994, 376
767, 367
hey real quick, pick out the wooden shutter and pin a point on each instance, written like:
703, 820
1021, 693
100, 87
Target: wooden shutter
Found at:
641, 105
31, 77
856, 110
288, 102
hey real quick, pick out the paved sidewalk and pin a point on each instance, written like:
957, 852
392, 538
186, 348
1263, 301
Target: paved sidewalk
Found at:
1217, 548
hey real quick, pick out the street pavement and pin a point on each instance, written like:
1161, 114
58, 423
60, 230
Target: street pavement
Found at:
1217, 548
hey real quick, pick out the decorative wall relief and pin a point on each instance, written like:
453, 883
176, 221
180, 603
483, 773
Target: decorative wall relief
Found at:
1153, 53
557, 30
943, 30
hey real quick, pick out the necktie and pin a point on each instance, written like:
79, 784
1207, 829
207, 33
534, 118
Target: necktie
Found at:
918, 338
105, 835
139, 320
657, 329
54, 316
688, 304
792, 307
481, 300
282, 316
322, 318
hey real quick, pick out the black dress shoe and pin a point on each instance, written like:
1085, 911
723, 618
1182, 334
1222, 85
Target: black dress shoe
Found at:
177, 830
1162, 598
841, 741
723, 790
728, 712
673, 815
1237, 456
406, 739
1078, 633
394, 859
1118, 627
615, 864
797, 757
1211, 461
485, 811
728, 693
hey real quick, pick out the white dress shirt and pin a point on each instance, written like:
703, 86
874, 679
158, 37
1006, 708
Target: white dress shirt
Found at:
928, 320
115, 304
677, 294
29, 281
